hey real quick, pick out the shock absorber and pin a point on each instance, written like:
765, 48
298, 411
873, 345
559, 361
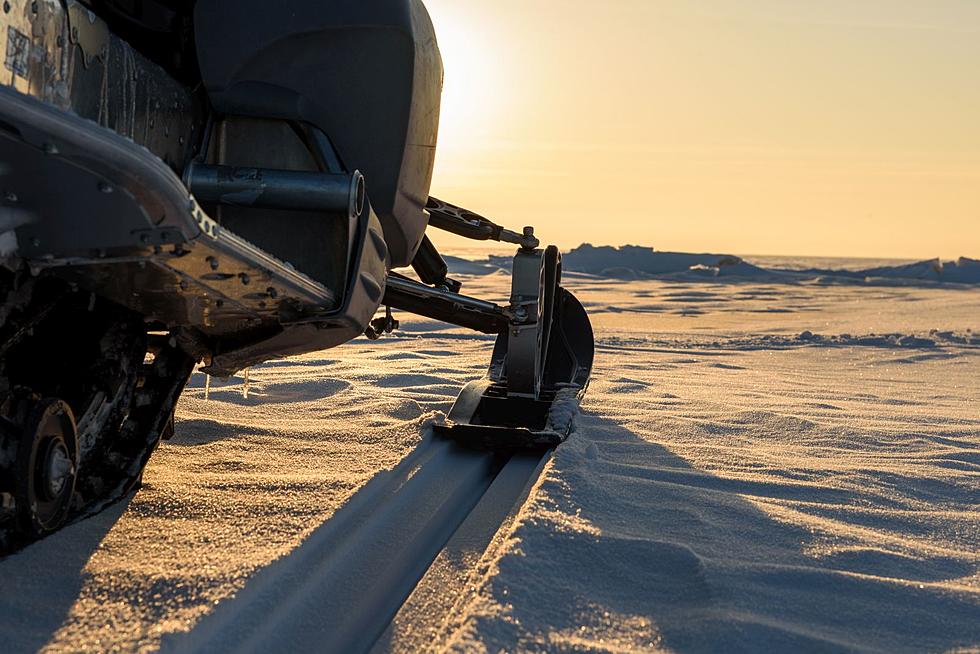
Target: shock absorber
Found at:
432, 268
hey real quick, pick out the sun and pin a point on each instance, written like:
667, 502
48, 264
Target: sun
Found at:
473, 93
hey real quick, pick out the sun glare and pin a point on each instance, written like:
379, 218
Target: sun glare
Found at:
472, 96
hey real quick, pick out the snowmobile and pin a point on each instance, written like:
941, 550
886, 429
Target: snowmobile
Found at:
220, 183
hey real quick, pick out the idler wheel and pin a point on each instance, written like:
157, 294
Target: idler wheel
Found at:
46, 468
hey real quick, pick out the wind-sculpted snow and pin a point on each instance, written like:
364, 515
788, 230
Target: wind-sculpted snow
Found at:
631, 262
758, 466
962, 271
601, 260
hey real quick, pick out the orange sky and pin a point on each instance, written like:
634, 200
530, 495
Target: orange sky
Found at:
841, 127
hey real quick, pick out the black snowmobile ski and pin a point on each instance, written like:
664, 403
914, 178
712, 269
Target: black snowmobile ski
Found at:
542, 359
489, 416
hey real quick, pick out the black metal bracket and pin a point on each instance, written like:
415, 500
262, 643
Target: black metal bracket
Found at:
432, 268
381, 326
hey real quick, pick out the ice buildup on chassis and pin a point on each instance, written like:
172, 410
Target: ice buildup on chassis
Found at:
227, 182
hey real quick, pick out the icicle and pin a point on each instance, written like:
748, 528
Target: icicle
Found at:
207, 386
245, 385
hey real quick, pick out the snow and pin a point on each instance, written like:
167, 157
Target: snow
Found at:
763, 461
596, 260
636, 262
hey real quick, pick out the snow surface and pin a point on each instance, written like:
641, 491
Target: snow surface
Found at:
763, 462
633, 262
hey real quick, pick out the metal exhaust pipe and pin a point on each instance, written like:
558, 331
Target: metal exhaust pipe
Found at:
278, 189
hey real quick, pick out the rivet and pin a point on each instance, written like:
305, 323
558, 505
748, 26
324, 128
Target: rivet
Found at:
10, 196
50, 148
213, 263
104, 187
183, 285
244, 278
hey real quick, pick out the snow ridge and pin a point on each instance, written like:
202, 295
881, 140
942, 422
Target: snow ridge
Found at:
631, 262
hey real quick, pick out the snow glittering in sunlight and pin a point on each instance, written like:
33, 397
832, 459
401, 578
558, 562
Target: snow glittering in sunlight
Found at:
760, 462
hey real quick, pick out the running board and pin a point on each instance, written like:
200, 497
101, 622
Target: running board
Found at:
100, 211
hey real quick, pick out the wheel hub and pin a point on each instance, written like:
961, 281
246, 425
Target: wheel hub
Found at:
58, 469
47, 462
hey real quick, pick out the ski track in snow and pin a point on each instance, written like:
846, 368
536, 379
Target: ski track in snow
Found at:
758, 466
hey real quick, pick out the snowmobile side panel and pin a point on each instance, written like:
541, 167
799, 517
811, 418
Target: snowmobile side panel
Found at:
366, 72
64, 55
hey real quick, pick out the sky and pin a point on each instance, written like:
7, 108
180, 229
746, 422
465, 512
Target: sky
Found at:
837, 128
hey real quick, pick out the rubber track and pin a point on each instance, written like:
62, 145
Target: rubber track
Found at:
342, 588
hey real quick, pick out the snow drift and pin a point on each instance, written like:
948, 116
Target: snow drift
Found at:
630, 262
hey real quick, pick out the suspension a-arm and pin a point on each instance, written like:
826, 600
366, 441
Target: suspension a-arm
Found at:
446, 305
